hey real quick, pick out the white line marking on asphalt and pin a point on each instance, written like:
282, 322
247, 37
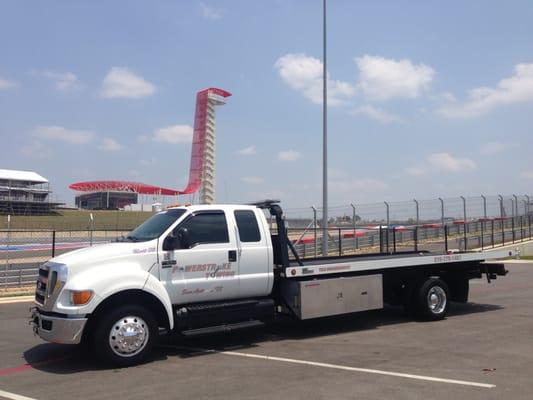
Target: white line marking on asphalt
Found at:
16, 299
14, 396
343, 367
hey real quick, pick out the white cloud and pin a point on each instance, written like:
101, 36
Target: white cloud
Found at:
441, 162
110, 144
6, 84
527, 174
491, 148
358, 185
247, 151
210, 12
288, 155
513, 90
36, 149
448, 97
275, 194
174, 134
121, 82
63, 81
378, 114
447, 162
416, 171
60, 133
146, 163
304, 74
253, 180
382, 78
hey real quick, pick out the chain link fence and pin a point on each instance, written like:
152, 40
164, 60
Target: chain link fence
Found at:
22, 251
435, 225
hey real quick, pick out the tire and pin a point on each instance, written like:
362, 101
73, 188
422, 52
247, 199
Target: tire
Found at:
125, 336
432, 300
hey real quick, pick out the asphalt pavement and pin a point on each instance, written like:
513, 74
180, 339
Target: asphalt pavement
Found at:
483, 350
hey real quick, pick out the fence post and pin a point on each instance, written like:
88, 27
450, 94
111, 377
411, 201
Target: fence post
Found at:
482, 233
8, 241
500, 199
464, 221
394, 239
416, 238
340, 242
417, 210
441, 211
512, 228
354, 223
492, 233
503, 231
314, 228
445, 238
53, 243
92, 228
380, 238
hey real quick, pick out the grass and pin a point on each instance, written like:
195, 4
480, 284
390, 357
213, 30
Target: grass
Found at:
78, 220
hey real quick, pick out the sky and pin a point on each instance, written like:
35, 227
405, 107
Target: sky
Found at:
426, 99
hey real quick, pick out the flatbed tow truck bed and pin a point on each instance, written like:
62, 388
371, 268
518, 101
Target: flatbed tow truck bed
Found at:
351, 264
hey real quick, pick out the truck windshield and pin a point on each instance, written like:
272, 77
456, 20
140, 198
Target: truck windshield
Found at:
154, 226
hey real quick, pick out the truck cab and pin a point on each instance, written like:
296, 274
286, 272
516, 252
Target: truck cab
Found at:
195, 255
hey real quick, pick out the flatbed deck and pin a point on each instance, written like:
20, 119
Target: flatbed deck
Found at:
347, 264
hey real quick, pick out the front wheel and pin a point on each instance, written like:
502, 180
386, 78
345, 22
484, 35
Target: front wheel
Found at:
125, 336
432, 299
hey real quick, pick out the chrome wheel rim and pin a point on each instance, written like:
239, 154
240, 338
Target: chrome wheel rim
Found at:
128, 336
436, 299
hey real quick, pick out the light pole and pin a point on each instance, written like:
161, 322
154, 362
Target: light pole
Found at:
324, 143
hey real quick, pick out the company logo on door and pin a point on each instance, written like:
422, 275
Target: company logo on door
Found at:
211, 270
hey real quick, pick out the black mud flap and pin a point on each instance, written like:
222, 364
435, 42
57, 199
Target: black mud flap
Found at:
492, 271
497, 269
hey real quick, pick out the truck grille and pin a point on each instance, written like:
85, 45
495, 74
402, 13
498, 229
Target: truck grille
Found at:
42, 285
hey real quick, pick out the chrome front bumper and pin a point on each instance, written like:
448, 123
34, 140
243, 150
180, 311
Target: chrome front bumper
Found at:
57, 329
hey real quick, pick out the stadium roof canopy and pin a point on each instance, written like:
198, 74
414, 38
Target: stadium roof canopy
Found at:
122, 186
26, 176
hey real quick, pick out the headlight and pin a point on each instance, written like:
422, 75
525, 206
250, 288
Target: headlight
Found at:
80, 297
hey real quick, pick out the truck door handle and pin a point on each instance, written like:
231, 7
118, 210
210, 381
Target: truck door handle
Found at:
232, 255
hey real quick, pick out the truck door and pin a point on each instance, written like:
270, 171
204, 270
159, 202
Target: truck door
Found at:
255, 266
206, 269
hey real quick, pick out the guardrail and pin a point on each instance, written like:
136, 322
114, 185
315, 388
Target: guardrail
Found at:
434, 237
22, 251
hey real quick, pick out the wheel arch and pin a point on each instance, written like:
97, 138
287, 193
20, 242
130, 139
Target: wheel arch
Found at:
131, 296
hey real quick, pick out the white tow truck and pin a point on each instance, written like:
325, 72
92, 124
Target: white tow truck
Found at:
199, 269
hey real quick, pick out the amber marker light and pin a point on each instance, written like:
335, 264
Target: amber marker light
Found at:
80, 297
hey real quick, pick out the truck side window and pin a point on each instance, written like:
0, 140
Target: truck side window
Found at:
247, 225
207, 228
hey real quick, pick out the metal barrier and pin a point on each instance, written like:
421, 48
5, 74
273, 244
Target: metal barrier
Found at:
435, 238
22, 251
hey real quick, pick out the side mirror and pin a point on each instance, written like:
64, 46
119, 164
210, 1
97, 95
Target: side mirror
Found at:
171, 242
184, 240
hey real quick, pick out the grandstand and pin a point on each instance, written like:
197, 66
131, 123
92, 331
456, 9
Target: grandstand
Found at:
111, 194
25, 193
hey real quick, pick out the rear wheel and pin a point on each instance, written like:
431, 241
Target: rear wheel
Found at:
432, 299
125, 336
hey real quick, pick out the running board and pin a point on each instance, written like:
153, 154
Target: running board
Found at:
222, 328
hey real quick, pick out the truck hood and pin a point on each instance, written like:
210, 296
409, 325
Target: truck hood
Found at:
109, 254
